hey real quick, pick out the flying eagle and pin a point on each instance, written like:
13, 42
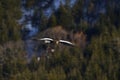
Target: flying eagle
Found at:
49, 40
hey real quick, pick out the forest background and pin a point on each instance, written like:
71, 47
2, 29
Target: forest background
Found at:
93, 25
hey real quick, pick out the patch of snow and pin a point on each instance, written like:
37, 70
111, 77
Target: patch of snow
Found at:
72, 2
33, 30
48, 12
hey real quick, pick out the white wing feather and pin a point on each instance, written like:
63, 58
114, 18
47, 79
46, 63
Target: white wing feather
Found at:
63, 41
47, 39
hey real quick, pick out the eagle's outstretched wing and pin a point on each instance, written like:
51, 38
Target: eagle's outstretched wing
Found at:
49, 39
66, 42
46, 40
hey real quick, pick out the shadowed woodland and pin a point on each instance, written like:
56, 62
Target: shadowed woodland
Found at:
93, 25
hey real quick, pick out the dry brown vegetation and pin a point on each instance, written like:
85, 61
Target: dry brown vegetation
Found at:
57, 32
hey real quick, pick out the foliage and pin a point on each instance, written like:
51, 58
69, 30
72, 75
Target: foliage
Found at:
9, 28
99, 59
